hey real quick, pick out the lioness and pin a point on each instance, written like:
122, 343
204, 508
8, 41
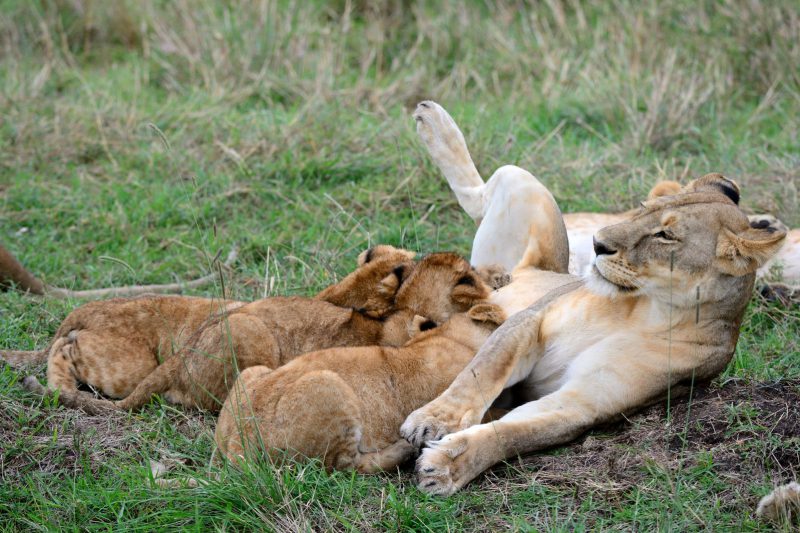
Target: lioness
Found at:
113, 345
273, 331
660, 309
345, 405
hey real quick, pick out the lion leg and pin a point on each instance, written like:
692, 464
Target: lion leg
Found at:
208, 369
449, 151
506, 358
313, 414
520, 223
390, 457
62, 376
450, 463
237, 417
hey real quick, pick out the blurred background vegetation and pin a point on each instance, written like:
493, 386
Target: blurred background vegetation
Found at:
131, 124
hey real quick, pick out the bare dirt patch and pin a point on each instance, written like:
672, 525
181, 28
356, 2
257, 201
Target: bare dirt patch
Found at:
744, 432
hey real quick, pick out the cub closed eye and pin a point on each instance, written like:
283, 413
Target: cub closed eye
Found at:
465, 280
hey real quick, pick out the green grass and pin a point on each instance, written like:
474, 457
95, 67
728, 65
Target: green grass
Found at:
139, 138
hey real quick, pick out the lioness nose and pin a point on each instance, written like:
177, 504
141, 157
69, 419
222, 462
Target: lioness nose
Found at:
600, 248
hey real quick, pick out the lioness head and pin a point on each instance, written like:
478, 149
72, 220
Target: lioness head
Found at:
691, 247
372, 287
440, 285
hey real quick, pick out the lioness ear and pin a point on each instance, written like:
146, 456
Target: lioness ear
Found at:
716, 183
487, 313
745, 252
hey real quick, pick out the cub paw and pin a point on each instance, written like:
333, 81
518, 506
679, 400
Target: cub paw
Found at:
494, 275
433, 422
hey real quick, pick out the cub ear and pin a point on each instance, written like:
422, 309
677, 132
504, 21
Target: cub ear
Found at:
494, 275
366, 256
745, 252
469, 290
664, 188
484, 312
384, 251
767, 222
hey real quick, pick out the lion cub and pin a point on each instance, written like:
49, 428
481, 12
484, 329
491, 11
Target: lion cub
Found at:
273, 331
345, 405
113, 345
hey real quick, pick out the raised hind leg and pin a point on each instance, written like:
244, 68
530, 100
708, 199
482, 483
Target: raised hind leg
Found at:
520, 224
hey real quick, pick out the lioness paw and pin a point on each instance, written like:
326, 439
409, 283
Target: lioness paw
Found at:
439, 132
439, 468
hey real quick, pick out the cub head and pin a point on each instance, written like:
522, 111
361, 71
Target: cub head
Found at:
372, 286
677, 245
441, 285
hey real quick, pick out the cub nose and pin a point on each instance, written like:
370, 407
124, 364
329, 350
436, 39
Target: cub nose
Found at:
600, 248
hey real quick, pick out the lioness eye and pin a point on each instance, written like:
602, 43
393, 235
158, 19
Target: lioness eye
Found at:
664, 235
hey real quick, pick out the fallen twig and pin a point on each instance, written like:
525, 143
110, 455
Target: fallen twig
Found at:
12, 272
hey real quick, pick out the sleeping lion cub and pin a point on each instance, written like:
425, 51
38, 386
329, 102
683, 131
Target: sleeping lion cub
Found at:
113, 345
273, 331
345, 405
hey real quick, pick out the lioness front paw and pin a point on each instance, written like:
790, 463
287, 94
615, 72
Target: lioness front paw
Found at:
441, 468
432, 422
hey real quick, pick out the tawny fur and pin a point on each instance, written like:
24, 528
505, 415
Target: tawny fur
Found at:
345, 405
273, 331
113, 345
661, 309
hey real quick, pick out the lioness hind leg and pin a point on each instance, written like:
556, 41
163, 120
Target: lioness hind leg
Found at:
520, 223
447, 147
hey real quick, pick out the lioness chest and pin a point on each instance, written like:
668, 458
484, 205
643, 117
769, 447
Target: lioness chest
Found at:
584, 334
